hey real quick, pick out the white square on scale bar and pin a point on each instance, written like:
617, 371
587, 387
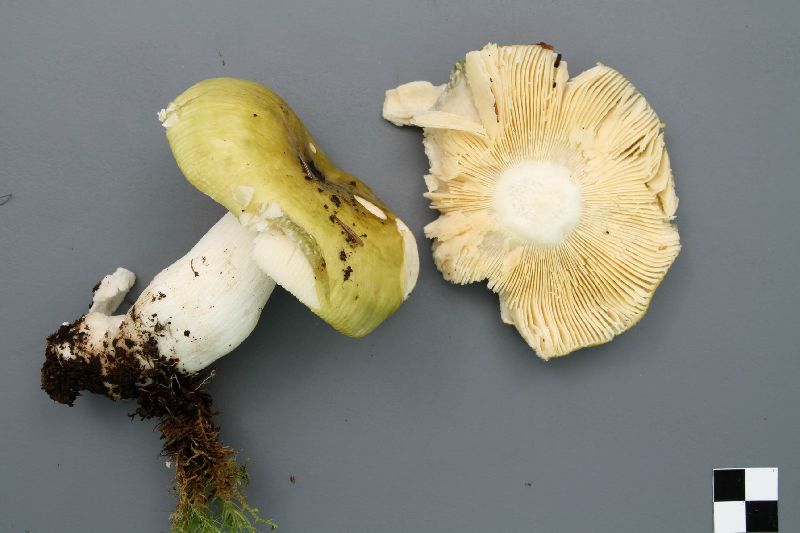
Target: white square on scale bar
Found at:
760, 484
729, 517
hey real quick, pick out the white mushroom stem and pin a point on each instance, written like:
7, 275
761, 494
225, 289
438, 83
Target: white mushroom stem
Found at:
195, 311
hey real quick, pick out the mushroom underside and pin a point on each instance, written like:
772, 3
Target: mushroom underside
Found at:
558, 192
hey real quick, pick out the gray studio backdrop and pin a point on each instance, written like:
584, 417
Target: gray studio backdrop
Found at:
443, 419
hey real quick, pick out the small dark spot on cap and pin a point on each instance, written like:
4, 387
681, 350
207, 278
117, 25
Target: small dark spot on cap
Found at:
255, 114
353, 183
335, 200
325, 206
186, 333
342, 255
347, 271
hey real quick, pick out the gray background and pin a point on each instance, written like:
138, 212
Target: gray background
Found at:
439, 419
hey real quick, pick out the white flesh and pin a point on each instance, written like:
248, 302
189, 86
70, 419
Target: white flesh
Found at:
538, 202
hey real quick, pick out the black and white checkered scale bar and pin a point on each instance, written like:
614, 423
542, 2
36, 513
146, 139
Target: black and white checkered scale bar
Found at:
745, 500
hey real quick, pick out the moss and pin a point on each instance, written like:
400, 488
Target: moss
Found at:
208, 481
231, 515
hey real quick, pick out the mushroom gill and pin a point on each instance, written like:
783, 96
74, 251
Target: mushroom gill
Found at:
558, 192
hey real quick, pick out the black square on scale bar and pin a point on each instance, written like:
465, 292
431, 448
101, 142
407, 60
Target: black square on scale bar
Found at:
729, 485
762, 516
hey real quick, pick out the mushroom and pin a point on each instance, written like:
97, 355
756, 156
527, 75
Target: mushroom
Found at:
293, 218
558, 192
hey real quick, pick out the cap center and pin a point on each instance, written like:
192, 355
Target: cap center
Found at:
537, 201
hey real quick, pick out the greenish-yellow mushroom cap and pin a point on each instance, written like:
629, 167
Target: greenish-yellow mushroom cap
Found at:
320, 232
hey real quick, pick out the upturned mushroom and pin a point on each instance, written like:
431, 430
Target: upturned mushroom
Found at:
557, 191
294, 218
